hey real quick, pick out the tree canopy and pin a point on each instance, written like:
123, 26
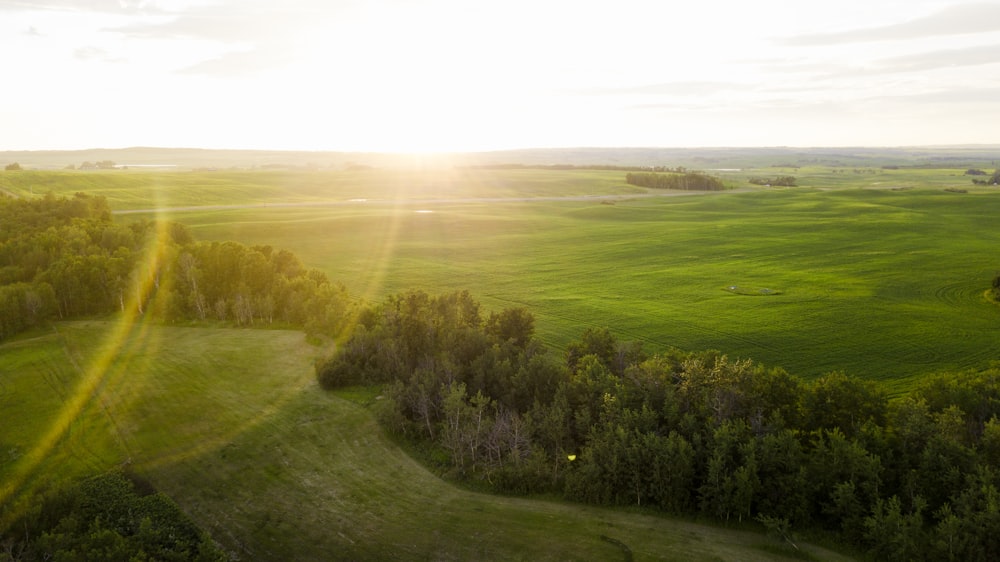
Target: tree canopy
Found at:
687, 181
685, 432
65, 257
108, 517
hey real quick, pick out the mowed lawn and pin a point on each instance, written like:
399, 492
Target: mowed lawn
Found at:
879, 283
231, 424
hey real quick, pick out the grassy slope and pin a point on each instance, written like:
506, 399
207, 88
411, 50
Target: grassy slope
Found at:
231, 425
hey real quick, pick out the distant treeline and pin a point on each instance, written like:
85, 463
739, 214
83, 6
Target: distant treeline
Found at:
689, 433
607, 167
688, 181
990, 180
781, 181
65, 258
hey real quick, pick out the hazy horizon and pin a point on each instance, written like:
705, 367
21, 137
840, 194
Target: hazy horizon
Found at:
449, 76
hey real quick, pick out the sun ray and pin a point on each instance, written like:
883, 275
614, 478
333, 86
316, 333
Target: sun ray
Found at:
95, 374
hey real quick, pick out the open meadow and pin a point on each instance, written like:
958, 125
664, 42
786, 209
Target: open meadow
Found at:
878, 273
231, 424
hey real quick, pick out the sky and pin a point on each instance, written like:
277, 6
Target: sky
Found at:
463, 75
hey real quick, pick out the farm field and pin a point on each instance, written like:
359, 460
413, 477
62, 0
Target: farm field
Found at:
886, 285
879, 273
231, 424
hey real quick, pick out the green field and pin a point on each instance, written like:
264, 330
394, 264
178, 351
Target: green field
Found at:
877, 272
880, 284
231, 424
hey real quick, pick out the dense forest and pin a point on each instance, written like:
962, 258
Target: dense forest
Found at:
914, 478
65, 258
687, 181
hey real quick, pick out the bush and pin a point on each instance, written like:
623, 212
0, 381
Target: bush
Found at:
337, 373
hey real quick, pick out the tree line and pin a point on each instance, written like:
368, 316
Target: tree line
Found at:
915, 478
990, 180
688, 181
781, 181
65, 257
602, 167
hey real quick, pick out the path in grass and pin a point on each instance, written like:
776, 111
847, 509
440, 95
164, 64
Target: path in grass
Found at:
231, 424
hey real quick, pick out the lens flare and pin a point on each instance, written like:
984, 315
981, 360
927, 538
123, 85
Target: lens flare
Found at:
96, 373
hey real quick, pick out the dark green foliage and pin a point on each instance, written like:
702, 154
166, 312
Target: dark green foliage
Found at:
895, 533
837, 401
597, 342
106, 518
64, 257
257, 285
686, 432
689, 181
516, 325
992, 180
781, 181
975, 393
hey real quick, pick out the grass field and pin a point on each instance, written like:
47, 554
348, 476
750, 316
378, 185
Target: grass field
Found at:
878, 283
876, 272
128, 189
231, 424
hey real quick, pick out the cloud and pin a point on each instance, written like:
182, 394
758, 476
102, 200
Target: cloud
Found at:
255, 35
239, 63
693, 88
102, 6
950, 58
957, 97
95, 54
90, 53
828, 76
246, 21
960, 19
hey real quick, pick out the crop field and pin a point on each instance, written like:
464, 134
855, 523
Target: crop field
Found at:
881, 284
231, 424
880, 273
